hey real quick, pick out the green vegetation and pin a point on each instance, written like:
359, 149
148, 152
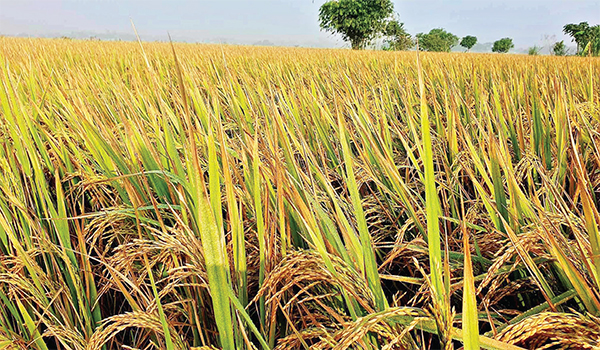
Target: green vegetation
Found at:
503, 45
157, 196
559, 48
396, 37
357, 21
534, 50
361, 21
437, 40
468, 42
587, 37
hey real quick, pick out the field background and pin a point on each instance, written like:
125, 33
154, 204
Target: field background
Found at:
175, 196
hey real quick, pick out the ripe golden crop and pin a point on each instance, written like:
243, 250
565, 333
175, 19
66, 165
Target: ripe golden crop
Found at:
176, 196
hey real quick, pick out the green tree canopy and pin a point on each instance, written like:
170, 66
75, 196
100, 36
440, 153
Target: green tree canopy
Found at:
357, 21
584, 34
468, 42
397, 38
438, 40
503, 45
559, 48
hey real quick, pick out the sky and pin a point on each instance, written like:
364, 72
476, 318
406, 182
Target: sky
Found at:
287, 22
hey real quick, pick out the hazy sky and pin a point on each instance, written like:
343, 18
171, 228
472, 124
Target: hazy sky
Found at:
288, 21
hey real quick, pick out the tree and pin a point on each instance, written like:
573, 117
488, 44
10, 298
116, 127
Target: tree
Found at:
437, 40
468, 42
595, 44
503, 45
559, 48
357, 21
583, 35
397, 39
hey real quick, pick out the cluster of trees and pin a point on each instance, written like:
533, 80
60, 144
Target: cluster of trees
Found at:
585, 36
361, 21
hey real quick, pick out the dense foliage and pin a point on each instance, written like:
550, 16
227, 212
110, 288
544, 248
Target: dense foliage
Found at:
437, 40
158, 197
503, 45
396, 37
587, 37
468, 42
357, 21
559, 48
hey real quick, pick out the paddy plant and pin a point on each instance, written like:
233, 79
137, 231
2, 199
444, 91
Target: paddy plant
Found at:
158, 195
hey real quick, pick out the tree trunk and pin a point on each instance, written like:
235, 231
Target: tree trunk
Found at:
357, 44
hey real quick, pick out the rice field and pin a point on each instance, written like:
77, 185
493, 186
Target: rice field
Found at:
176, 196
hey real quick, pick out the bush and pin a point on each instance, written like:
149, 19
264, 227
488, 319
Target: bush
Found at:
534, 51
559, 48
